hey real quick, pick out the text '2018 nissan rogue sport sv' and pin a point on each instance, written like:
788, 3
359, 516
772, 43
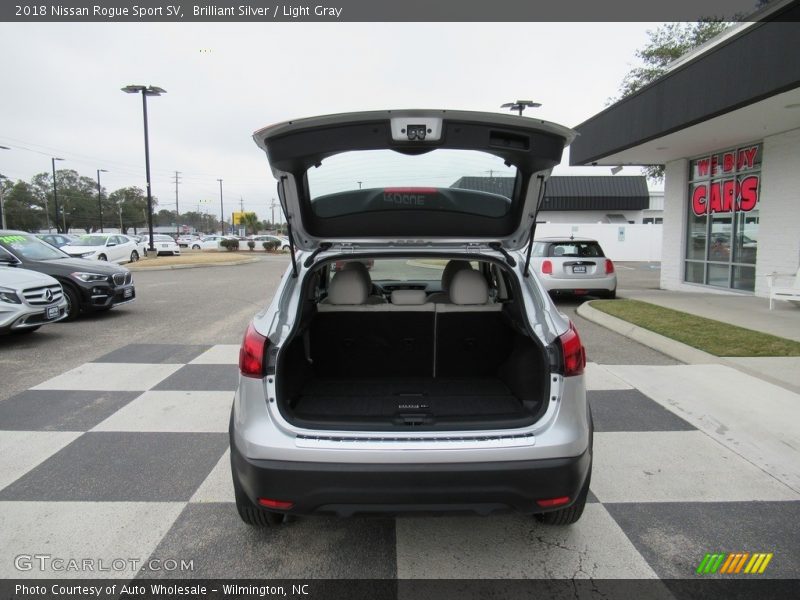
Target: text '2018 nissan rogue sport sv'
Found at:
443, 379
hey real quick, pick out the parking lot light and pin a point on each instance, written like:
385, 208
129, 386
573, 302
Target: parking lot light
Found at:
100, 198
146, 91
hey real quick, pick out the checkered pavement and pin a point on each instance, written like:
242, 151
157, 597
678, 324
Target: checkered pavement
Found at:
127, 457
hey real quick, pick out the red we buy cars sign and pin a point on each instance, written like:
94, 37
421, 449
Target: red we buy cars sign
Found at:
731, 185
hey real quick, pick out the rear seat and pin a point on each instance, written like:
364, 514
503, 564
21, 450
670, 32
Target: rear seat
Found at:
409, 336
350, 338
471, 338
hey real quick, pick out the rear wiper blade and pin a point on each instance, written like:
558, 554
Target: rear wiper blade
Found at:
499, 247
321, 248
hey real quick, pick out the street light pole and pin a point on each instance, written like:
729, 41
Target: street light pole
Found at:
55, 197
146, 91
100, 198
221, 210
2, 204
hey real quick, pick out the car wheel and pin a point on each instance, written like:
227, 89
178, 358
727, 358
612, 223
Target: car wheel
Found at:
73, 303
195, 247
611, 295
134, 256
571, 514
102, 257
252, 514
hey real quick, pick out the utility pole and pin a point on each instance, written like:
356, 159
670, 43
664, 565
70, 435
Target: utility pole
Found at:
272, 208
177, 209
119, 206
100, 198
221, 210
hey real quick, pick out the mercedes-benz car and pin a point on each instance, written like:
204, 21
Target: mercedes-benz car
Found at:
28, 299
441, 380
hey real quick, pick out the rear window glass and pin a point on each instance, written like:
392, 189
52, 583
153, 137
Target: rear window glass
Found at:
464, 181
401, 269
571, 249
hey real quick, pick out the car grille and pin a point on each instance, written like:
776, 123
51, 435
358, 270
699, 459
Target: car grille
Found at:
122, 278
39, 295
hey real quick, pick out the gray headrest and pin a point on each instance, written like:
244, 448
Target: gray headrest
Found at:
348, 287
407, 297
357, 265
469, 287
453, 267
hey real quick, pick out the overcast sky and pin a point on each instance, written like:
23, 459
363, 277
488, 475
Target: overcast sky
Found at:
61, 90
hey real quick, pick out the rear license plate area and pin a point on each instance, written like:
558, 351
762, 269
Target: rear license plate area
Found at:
579, 269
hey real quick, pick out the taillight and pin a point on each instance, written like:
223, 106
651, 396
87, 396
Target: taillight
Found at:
547, 267
272, 503
572, 351
252, 353
609, 266
551, 502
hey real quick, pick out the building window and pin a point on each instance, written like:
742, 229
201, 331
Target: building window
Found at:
722, 227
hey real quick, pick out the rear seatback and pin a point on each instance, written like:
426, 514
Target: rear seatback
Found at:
472, 338
350, 338
409, 337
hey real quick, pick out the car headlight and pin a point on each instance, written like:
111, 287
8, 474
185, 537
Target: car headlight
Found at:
87, 277
10, 296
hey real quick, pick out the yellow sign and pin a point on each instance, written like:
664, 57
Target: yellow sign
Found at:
239, 216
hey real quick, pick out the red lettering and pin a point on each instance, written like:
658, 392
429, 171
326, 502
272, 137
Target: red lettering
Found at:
748, 193
747, 157
715, 203
699, 200
728, 160
702, 166
714, 164
728, 194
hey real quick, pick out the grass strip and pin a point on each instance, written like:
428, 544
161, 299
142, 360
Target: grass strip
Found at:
714, 337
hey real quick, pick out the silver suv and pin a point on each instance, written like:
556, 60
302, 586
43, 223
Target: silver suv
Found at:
440, 379
28, 300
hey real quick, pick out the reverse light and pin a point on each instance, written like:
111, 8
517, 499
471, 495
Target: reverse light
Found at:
572, 351
551, 502
272, 503
252, 353
547, 267
609, 266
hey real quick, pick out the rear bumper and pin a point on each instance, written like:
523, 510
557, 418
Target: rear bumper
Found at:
598, 284
348, 489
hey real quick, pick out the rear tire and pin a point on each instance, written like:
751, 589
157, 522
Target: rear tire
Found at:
611, 295
102, 257
251, 514
134, 256
195, 247
73, 303
571, 514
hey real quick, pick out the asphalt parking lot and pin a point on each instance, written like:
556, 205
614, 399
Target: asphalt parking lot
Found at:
114, 445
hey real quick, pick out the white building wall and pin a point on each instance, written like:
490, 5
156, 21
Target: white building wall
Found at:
586, 216
619, 242
676, 181
779, 208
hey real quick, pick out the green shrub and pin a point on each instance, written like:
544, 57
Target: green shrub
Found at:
251, 244
271, 246
230, 244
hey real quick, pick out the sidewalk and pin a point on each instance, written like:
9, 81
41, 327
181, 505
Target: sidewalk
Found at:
749, 312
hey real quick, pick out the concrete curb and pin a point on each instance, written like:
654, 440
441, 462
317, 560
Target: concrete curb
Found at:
194, 266
656, 341
670, 347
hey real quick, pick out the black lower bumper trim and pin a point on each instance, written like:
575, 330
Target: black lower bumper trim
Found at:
347, 489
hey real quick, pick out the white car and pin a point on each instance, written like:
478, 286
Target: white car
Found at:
576, 266
283, 243
29, 300
111, 247
209, 242
185, 241
163, 244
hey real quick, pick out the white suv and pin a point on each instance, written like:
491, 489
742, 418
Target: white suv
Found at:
441, 379
28, 299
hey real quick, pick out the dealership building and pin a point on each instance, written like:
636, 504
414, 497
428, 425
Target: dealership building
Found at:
725, 120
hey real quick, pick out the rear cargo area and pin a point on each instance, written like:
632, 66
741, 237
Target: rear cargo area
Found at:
380, 368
